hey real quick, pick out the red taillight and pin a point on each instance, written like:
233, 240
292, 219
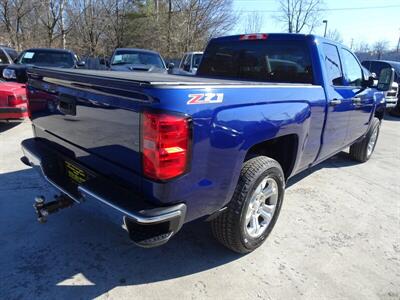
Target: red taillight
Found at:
165, 145
254, 36
15, 100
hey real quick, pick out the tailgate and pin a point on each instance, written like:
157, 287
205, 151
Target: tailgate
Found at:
100, 116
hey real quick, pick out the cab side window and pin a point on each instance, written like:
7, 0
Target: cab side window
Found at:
353, 71
377, 67
3, 57
332, 63
183, 61
186, 63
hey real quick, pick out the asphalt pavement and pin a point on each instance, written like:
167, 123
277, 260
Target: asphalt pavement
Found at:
338, 237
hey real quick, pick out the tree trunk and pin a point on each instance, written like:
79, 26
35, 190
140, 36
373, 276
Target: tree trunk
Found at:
62, 25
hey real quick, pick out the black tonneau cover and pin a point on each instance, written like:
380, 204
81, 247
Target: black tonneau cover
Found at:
144, 78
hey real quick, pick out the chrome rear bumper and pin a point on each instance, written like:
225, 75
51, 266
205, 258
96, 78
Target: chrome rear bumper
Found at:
147, 225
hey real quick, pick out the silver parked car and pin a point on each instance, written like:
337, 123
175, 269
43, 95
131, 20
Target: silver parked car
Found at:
141, 60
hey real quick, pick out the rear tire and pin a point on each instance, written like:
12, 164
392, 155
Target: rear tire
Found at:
362, 150
252, 213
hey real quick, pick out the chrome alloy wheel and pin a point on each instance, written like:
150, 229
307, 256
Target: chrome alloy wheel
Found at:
261, 207
372, 141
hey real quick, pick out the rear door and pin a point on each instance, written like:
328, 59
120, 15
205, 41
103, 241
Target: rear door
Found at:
339, 103
362, 103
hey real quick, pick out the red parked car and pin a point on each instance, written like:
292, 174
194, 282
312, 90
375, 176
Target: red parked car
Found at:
13, 101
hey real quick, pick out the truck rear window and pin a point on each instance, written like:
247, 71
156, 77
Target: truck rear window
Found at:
259, 60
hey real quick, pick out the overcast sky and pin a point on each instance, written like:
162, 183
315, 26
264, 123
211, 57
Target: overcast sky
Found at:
361, 20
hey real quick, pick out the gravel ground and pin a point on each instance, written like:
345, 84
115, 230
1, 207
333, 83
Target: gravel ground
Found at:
338, 237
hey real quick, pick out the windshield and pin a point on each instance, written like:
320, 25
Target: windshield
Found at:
47, 58
132, 57
271, 61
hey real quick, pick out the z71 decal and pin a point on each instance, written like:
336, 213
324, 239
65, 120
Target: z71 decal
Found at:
206, 98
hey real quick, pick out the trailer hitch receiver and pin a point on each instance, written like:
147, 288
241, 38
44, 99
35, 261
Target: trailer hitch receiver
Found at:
43, 209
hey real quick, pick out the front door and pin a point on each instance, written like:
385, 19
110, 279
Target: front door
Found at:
339, 104
362, 103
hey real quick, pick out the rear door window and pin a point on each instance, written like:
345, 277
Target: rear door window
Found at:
258, 60
333, 65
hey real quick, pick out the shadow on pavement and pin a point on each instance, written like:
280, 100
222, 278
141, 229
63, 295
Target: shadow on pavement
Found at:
39, 260
340, 160
79, 243
391, 117
8, 125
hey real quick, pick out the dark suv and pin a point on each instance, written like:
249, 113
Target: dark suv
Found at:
392, 96
40, 57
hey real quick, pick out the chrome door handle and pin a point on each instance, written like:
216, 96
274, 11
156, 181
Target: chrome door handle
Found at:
356, 100
334, 102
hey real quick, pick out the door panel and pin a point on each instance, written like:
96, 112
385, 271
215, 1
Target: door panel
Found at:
337, 120
362, 102
339, 104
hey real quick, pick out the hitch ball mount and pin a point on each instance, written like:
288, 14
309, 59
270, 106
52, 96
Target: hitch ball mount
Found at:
43, 209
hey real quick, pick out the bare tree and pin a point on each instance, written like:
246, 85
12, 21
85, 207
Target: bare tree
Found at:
362, 47
63, 29
380, 47
299, 15
334, 35
117, 22
203, 20
94, 27
178, 25
50, 13
90, 20
12, 14
253, 22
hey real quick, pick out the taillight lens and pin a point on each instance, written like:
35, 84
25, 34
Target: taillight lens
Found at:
165, 145
15, 100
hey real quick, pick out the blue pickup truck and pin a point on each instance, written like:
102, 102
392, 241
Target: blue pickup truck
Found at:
162, 150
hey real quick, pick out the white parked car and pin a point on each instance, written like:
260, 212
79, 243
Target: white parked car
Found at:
392, 95
189, 63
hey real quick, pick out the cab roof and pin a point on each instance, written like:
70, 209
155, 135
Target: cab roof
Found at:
50, 50
138, 50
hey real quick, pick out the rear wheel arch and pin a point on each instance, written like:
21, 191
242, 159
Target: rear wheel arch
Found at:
283, 149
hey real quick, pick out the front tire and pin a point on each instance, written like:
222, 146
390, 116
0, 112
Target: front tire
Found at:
254, 208
362, 150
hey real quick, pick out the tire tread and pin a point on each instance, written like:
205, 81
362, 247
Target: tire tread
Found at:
225, 227
358, 151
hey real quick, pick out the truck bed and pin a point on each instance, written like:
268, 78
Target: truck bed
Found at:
150, 79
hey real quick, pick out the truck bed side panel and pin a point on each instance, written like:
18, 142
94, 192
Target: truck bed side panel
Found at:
223, 133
